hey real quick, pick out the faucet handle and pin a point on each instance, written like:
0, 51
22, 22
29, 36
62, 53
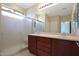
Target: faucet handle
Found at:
77, 42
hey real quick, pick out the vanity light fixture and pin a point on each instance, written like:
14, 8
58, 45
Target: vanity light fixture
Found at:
12, 15
46, 5
7, 9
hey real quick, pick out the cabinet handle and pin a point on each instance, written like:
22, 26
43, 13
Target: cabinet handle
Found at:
77, 42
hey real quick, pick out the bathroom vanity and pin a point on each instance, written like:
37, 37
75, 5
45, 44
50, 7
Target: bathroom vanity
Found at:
53, 45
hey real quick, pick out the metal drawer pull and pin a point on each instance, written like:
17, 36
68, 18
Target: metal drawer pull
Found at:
77, 42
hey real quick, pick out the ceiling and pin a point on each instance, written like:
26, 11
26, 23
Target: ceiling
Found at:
25, 5
60, 9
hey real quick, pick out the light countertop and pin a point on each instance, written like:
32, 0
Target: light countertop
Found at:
58, 36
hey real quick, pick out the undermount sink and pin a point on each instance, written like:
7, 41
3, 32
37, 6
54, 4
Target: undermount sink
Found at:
58, 35
61, 35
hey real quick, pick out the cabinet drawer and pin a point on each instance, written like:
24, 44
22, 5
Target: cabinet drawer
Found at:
31, 37
39, 43
42, 53
45, 49
45, 40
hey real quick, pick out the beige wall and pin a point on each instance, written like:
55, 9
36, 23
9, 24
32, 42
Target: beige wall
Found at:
31, 12
14, 30
55, 24
11, 32
34, 11
66, 18
0, 30
47, 23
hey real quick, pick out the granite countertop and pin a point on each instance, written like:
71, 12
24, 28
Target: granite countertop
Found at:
58, 36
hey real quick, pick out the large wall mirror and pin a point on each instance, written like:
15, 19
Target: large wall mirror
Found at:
61, 18
74, 21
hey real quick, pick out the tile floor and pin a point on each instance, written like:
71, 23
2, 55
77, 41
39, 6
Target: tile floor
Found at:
24, 52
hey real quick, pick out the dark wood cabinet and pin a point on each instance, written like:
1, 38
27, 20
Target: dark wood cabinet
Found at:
32, 44
43, 46
64, 48
61, 47
74, 49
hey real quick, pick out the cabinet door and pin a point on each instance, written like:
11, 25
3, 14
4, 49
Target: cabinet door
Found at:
32, 44
64, 48
74, 50
43, 46
60, 47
